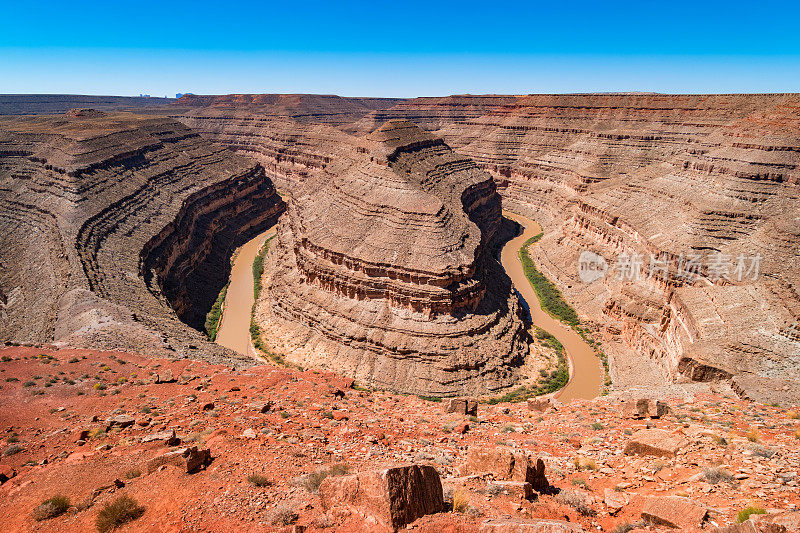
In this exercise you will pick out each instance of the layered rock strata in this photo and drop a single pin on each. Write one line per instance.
(383, 270)
(115, 230)
(668, 175)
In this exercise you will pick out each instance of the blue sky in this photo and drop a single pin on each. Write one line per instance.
(406, 48)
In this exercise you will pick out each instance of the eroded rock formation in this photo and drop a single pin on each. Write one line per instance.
(668, 175)
(383, 269)
(116, 229)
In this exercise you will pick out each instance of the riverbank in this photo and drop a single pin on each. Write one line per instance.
(585, 368)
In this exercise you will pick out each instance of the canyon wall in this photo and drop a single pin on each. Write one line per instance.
(382, 269)
(674, 176)
(117, 231)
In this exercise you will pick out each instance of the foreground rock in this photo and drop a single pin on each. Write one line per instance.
(389, 499)
(655, 442)
(517, 525)
(674, 511)
(506, 464)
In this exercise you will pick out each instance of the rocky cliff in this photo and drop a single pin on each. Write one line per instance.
(622, 174)
(383, 270)
(115, 230)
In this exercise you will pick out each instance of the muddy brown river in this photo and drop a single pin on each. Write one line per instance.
(234, 332)
(586, 371)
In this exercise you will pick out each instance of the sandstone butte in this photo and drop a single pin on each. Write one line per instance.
(382, 269)
(116, 231)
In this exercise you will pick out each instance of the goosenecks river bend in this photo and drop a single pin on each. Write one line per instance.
(586, 371)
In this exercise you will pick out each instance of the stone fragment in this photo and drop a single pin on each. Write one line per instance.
(614, 500)
(639, 408)
(189, 459)
(389, 499)
(673, 511)
(521, 525)
(122, 421)
(165, 376)
(461, 406)
(503, 463)
(543, 405)
(654, 442)
(261, 407)
(6, 473)
(168, 437)
(518, 489)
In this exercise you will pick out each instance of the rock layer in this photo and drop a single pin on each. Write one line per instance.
(383, 270)
(668, 175)
(116, 230)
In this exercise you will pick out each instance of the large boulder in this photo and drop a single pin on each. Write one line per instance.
(504, 463)
(673, 511)
(639, 408)
(461, 406)
(189, 459)
(655, 442)
(519, 525)
(387, 499)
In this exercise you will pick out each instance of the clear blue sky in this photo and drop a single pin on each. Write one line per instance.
(402, 48)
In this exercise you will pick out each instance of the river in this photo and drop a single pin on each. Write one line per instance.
(234, 332)
(586, 371)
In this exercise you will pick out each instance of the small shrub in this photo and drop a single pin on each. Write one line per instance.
(716, 475)
(258, 480)
(460, 501)
(628, 526)
(29, 384)
(114, 514)
(576, 501)
(752, 435)
(99, 386)
(327, 414)
(73, 360)
(6, 359)
(584, 463)
(796, 434)
(793, 415)
(284, 515)
(51, 508)
(578, 482)
(762, 451)
(13, 449)
(9, 380)
(597, 426)
(744, 514)
(132, 474)
(312, 481)
(284, 414)
(719, 440)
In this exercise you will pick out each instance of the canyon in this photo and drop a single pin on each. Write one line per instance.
(667, 176)
(116, 231)
(386, 387)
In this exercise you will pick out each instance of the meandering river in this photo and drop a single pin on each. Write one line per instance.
(586, 371)
(234, 332)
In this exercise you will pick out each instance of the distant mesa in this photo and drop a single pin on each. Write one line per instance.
(84, 113)
(382, 269)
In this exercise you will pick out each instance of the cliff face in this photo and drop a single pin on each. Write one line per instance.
(668, 175)
(382, 269)
(116, 227)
